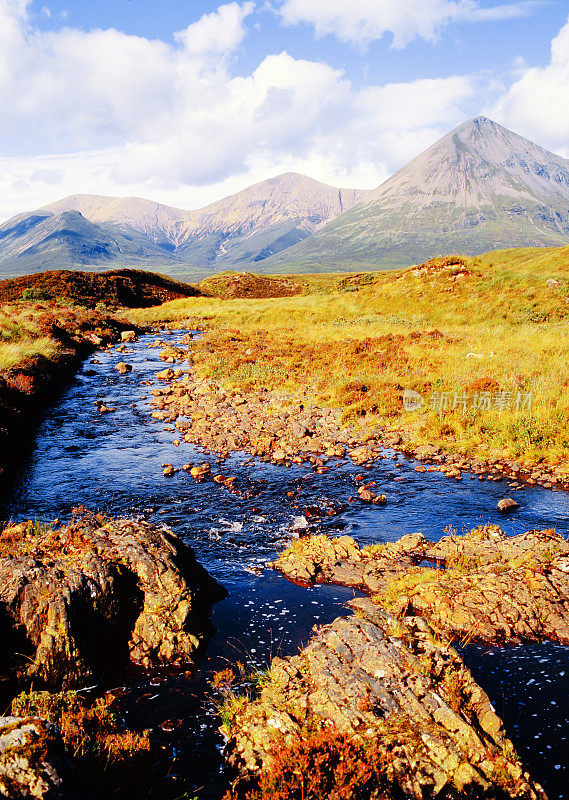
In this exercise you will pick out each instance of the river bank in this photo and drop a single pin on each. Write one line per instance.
(291, 428)
(463, 358)
(42, 347)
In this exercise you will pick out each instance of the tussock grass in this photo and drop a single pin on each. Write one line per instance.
(14, 353)
(358, 340)
(41, 330)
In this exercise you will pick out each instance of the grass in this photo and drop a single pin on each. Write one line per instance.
(358, 341)
(108, 757)
(41, 330)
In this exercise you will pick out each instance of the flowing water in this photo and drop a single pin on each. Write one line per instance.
(112, 463)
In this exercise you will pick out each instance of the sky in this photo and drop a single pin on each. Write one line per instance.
(188, 101)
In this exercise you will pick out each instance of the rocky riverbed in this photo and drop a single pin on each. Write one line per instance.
(289, 428)
(388, 676)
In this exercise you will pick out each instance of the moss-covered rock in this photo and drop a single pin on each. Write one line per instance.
(99, 593)
(484, 586)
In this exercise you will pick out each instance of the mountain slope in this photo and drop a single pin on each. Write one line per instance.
(239, 230)
(479, 188)
(28, 243)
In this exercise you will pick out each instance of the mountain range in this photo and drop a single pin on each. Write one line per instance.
(479, 188)
(236, 232)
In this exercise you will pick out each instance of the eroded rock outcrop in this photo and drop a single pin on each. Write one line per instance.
(427, 729)
(33, 763)
(96, 593)
(487, 587)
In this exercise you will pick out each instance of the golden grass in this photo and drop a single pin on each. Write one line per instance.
(13, 353)
(23, 334)
(357, 341)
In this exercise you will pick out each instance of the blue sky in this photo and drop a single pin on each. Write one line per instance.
(494, 44)
(185, 102)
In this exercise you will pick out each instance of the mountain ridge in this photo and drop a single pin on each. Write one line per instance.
(480, 187)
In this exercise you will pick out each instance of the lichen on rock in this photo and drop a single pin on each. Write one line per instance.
(425, 727)
(99, 592)
(484, 586)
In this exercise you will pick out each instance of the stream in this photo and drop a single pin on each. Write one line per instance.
(112, 463)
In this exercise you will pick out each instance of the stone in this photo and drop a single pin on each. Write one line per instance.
(507, 504)
(495, 588)
(128, 336)
(173, 354)
(33, 763)
(387, 685)
(165, 374)
(122, 368)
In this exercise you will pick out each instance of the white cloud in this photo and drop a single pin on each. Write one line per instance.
(537, 104)
(219, 32)
(363, 21)
(133, 116)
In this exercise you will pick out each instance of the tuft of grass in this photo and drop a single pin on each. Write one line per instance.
(110, 759)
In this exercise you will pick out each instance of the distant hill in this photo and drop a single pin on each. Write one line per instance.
(481, 187)
(126, 287)
(239, 231)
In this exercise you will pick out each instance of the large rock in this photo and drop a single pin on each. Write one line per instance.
(32, 761)
(98, 594)
(488, 586)
(425, 728)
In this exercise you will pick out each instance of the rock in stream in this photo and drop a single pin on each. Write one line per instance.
(426, 728)
(98, 594)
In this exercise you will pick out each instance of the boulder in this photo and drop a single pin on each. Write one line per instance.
(99, 592)
(386, 692)
(494, 588)
(173, 354)
(165, 374)
(128, 336)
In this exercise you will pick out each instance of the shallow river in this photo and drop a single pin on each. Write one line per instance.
(112, 463)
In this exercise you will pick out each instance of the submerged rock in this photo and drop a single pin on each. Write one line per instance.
(92, 596)
(32, 761)
(423, 727)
